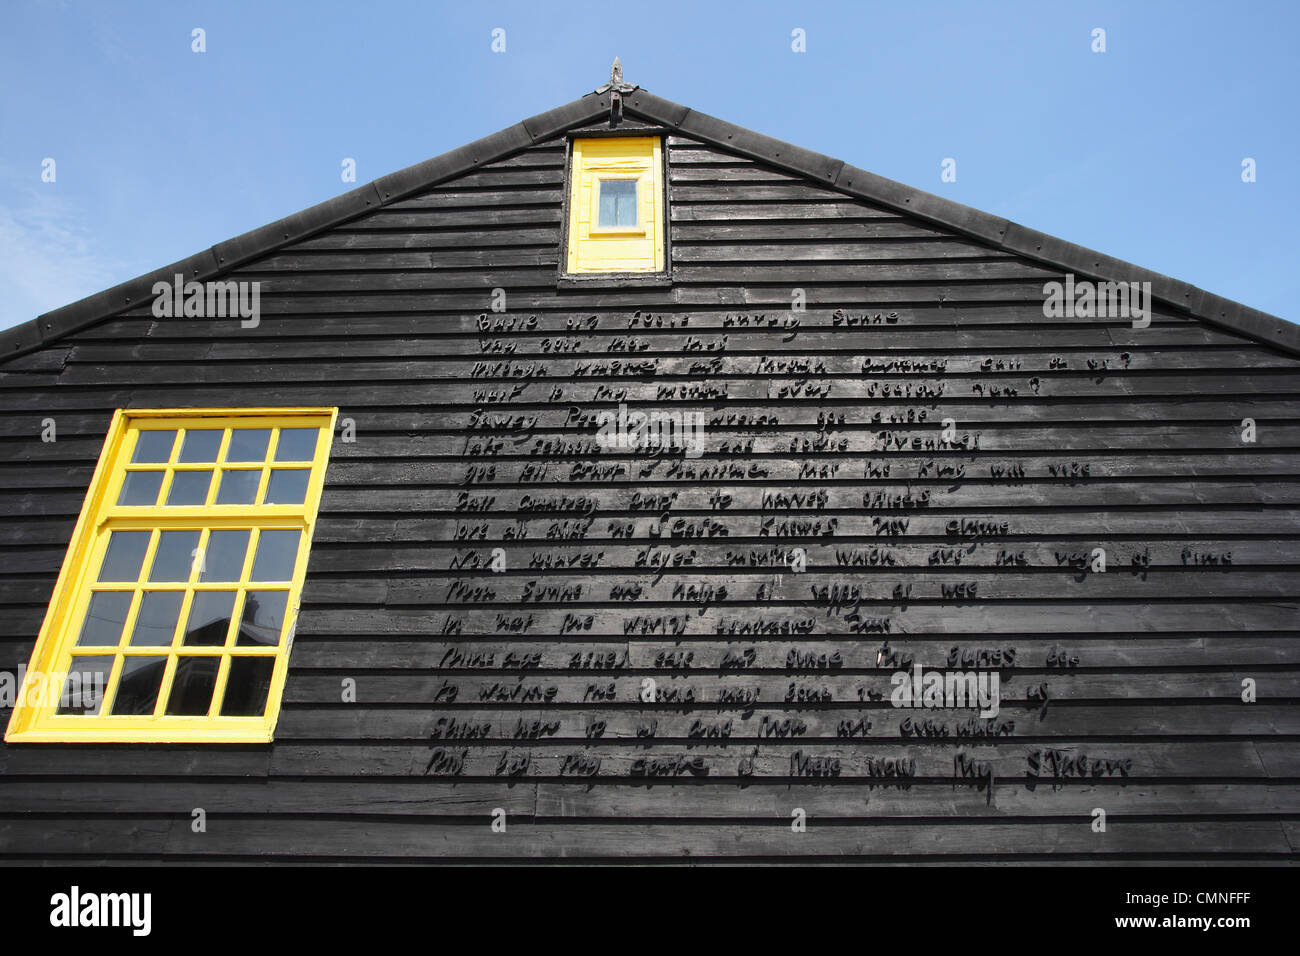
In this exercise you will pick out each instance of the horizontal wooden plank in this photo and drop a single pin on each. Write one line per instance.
(414, 378)
(789, 252)
(694, 842)
(881, 225)
(182, 761)
(814, 473)
(832, 207)
(726, 172)
(387, 617)
(783, 530)
(779, 324)
(443, 797)
(636, 588)
(732, 192)
(97, 837)
(494, 274)
(971, 357)
(542, 252)
(388, 218)
(1128, 801)
(573, 725)
(380, 839)
(886, 763)
(370, 545)
(813, 654)
(881, 297)
(789, 693)
(416, 798)
(546, 234)
(395, 544)
(469, 196)
(535, 256)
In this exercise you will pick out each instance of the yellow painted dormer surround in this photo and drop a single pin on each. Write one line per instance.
(616, 206)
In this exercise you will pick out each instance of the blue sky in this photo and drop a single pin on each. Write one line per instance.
(160, 151)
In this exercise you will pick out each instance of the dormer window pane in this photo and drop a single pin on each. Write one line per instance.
(617, 203)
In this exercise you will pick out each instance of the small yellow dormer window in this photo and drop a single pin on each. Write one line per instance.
(616, 202)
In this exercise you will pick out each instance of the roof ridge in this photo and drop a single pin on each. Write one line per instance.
(1000, 233)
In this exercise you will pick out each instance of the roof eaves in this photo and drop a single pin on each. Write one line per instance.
(256, 242)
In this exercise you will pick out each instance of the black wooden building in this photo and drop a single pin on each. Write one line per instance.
(516, 643)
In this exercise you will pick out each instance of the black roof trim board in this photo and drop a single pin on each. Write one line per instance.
(997, 232)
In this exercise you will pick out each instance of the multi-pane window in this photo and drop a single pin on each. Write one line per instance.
(173, 616)
(616, 206)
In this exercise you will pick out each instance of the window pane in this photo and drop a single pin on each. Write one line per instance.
(296, 444)
(263, 618)
(175, 556)
(140, 488)
(137, 688)
(153, 445)
(156, 622)
(247, 685)
(104, 619)
(288, 486)
(124, 556)
(201, 444)
(617, 202)
(224, 560)
(191, 693)
(277, 551)
(189, 488)
(248, 444)
(238, 487)
(209, 618)
(83, 689)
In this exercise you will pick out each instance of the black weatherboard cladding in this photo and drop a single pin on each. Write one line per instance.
(521, 691)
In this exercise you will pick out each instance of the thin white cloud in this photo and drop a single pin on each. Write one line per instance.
(47, 257)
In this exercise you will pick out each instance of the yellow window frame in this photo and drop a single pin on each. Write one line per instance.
(35, 718)
(618, 249)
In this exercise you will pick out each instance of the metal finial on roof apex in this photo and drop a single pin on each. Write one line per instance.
(616, 87)
(616, 82)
